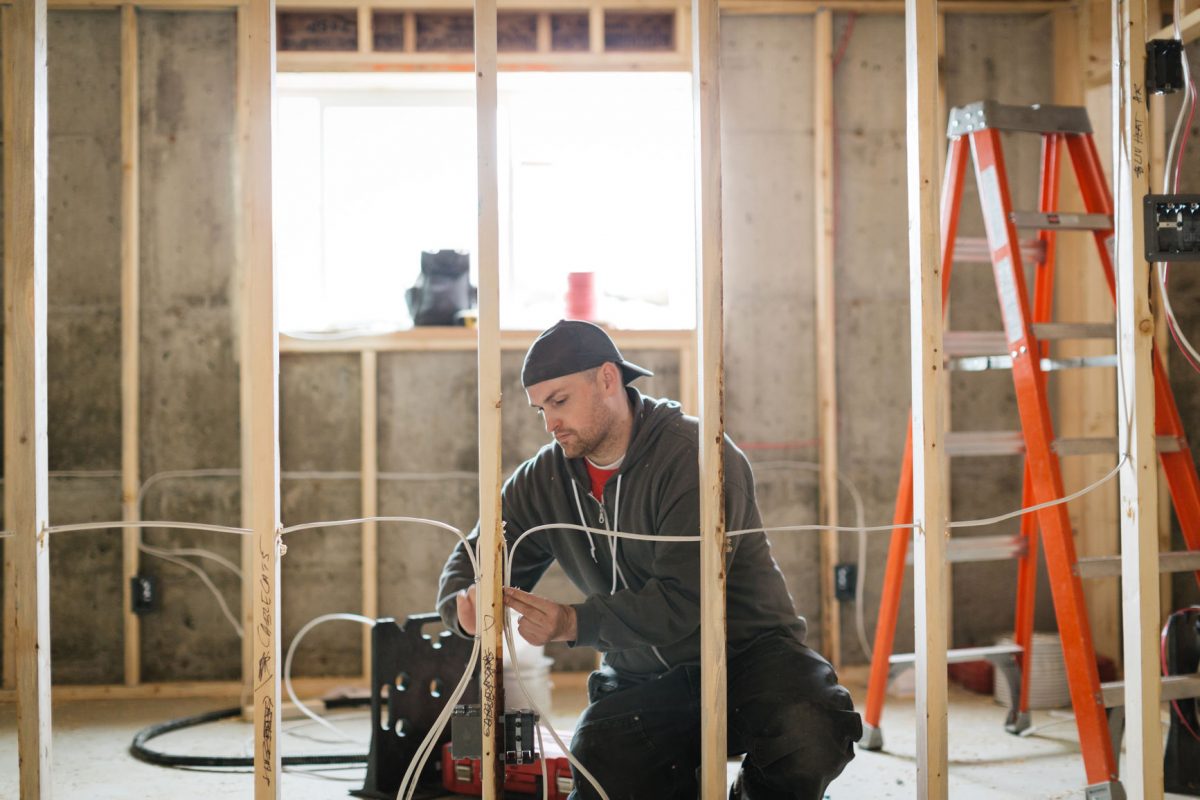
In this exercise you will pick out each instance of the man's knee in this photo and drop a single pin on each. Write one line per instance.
(811, 746)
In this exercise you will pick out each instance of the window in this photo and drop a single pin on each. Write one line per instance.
(595, 176)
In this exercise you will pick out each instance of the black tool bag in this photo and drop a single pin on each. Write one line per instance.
(443, 288)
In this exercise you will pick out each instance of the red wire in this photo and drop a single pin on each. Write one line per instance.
(1162, 655)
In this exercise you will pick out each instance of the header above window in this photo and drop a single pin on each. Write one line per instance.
(564, 37)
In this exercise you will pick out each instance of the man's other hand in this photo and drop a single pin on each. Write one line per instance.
(466, 609)
(541, 620)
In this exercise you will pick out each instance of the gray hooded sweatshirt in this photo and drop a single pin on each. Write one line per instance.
(643, 597)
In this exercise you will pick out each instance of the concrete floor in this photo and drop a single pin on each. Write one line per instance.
(91, 752)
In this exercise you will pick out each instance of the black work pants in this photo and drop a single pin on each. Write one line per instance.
(787, 713)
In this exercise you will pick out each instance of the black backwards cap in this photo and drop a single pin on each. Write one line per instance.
(571, 346)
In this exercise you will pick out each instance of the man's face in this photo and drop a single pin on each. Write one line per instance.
(574, 410)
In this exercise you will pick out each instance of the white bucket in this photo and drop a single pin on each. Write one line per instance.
(1048, 686)
(534, 666)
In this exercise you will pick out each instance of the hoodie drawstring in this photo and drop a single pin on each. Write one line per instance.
(612, 547)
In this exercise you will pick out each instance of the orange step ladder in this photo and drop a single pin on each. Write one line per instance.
(1023, 348)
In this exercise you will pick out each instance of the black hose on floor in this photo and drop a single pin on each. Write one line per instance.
(139, 750)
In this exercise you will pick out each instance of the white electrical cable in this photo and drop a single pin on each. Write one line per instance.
(203, 576)
(187, 526)
(408, 786)
(512, 651)
(1171, 185)
(287, 667)
(159, 552)
(860, 622)
(308, 526)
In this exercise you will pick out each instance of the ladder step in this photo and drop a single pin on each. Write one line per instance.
(975, 250)
(995, 343)
(1059, 221)
(1174, 687)
(984, 363)
(1110, 566)
(982, 548)
(964, 654)
(1039, 118)
(1012, 443)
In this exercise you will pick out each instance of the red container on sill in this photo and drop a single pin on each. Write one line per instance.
(581, 295)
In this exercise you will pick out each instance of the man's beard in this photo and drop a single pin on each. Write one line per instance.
(585, 442)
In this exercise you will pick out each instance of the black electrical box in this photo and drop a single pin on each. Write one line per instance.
(520, 730)
(1164, 66)
(1172, 227)
(143, 594)
(845, 581)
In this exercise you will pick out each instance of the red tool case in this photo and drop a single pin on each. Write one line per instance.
(462, 775)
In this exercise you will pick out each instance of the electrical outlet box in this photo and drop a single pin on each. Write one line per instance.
(845, 581)
(1172, 226)
(144, 594)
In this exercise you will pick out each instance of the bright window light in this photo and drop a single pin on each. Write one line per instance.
(595, 176)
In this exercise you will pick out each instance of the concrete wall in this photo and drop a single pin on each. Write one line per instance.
(426, 401)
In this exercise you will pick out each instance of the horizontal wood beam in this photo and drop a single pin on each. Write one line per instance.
(454, 339)
(741, 7)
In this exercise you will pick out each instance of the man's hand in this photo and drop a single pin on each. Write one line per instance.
(541, 620)
(466, 609)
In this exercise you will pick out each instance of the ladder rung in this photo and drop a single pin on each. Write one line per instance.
(995, 343)
(982, 548)
(985, 363)
(1060, 221)
(1110, 566)
(975, 250)
(1012, 443)
(1031, 119)
(1058, 331)
(964, 654)
(1174, 687)
(1107, 445)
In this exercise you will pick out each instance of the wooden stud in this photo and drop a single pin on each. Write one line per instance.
(25, 136)
(130, 342)
(545, 37)
(366, 24)
(710, 316)
(257, 51)
(596, 29)
(826, 333)
(242, 248)
(1135, 410)
(1162, 339)
(370, 499)
(490, 599)
(410, 32)
(1088, 392)
(929, 506)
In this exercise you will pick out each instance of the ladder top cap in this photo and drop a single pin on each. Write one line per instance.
(1030, 119)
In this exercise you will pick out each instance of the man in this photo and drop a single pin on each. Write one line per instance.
(626, 462)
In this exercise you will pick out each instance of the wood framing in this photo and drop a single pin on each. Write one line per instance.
(826, 333)
(929, 505)
(26, 508)
(490, 599)
(1087, 391)
(130, 345)
(710, 339)
(1135, 410)
(370, 499)
(242, 254)
(257, 50)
